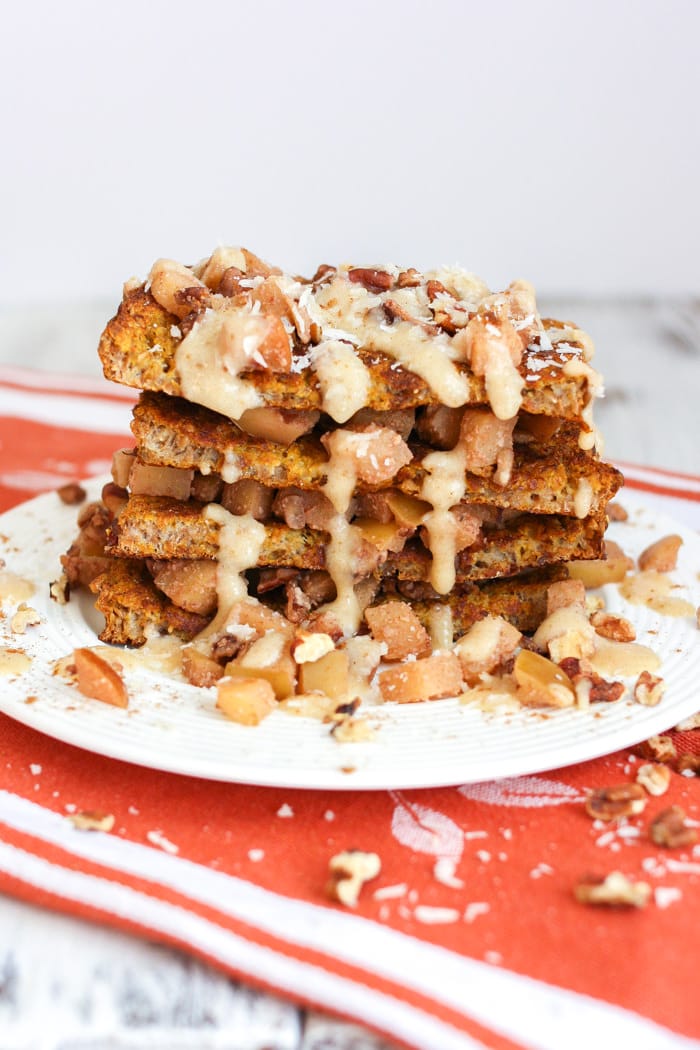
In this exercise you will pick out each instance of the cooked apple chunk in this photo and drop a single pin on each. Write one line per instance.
(191, 585)
(98, 679)
(430, 678)
(245, 700)
(174, 482)
(396, 624)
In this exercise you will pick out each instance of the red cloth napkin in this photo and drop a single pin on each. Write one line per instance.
(469, 937)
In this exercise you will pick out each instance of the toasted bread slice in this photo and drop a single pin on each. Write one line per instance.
(138, 349)
(157, 527)
(134, 608)
(545, 478)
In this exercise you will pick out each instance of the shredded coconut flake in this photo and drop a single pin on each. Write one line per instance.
(435, 916)
(665, 895)
(387, 893)
(474, 909)
(157, 838)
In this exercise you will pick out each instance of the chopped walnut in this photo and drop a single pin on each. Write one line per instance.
(658, 748)
(613, 803)
(373, 280)
(168, 281)
(670, 830)
(89, 820)
(349, 871)
(352, 731)
(688, 763)
(648, 689)
(71, 494)
(654, 778)
(309, 646)
(24, 617)
(693, 722)
(616, 628)
(661, 556)
(613, 889)
(590, 687)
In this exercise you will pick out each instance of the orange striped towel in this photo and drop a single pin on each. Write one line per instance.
(470, 937)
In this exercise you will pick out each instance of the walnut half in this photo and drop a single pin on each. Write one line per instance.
(614, 889)
(613, 803)
(348, 873)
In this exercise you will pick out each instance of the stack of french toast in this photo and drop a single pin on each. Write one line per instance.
(371, 453)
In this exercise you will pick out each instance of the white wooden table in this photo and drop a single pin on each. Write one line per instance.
(68, 985)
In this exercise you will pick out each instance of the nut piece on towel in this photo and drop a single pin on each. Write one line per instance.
(348, 873)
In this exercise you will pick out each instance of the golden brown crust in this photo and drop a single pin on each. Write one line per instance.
(157, 527)
(138, 347)
(133, 607)
(172, 432)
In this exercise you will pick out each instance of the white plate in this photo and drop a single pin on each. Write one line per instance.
(175, 727)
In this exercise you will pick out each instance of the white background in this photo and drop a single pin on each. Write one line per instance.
(550, 140)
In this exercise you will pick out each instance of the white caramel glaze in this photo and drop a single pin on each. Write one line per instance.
(428, 324)
(443, 487)
(583, 498)
(343, 378)
(14, 588)
(206, 375)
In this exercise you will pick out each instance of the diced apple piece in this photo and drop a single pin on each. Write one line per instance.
(260, 617)
(248, 497)
(376, 454)
(396, 624)
(597, 572)
(280, 425)
(485, 437)
(146, 480)
(541, 683)
(385, 537)
(408, 510)
(485, 645)
(269, 657)
(200, 669)
(329, 675)
(245, 700)
(255, 342)
(439, 425)
(114, 498)
(431, 678)
(564, 593)
(206, 488)
(122, 462)
(213, 269)
(542, 428)
(98, 679)
(191, 585)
